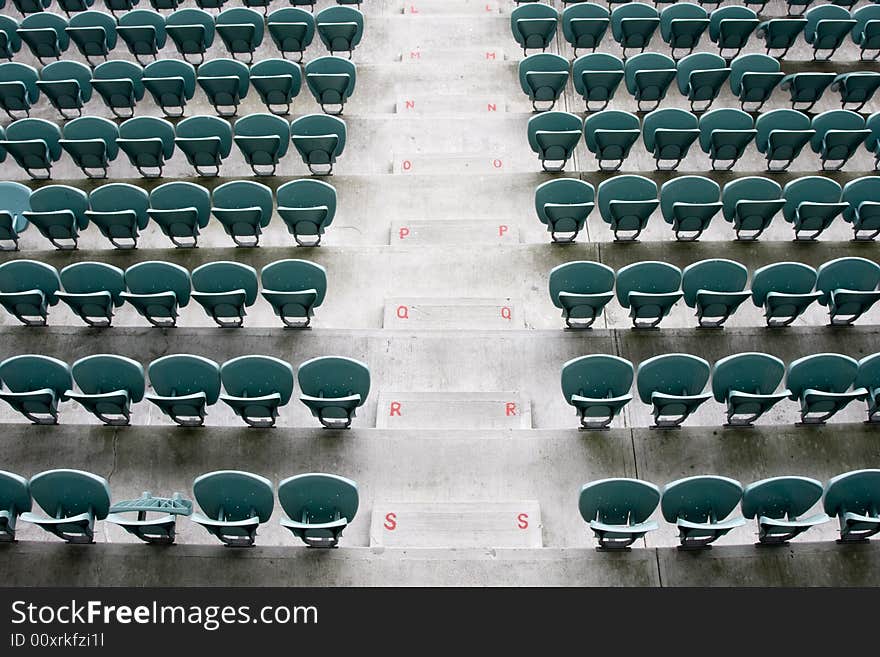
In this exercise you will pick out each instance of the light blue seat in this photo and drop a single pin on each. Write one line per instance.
(837, 136)
(848, 287)
(27, 289)
(67, 85)
(700, 506)
(784, 290)
(263, 140)
(292, 30)
(58, 212)
(206, 141)
(34, 144)
(725, 133)
(856, 89)
(72, 500)
(148, 141)
(234, 504)
(674, 385)
(181, 209)
(596, 77)
(581, 289)
(866, 31)
(307, 207)
(146, 525)
(44, 35)
(753, 77)
(120, 85)
(333, 387)
(688, 204)
(10, 41)
(554, 136)
(119, 210)
(340, 28)
(633, 24)
(700, 77)
(626, 203)
(682, 24)
(184, 386)
(779, 503)
(598, 386)
(543, 78)
(781, 136)
(862, 198)
(93, 33)
(649, 289)
(171, 83)
(811, 205)
(750, 204)
(241, 30)
(806, 88)
(648, 76)
(15, 499)
(730, 28)
(584, 25)
(143, 32)
(18, 89)
(563, 206)
(91, 143)
(108, 385)
(331, 81)
(668, 133)
(534, 26)
(294, 288)
(157, 290)
(33, 385)
(15, 200)
(318, 506)
(610, 135)
(618, 510)
(715, 288)
(868, 378)
(780, 34)
(319, 139)
(278, 82)
(826, 27)
(256, 387)
(854, 499)
(225, 289)
(824, 385)
(92, 290)
(747, 383)
(192, 31)
(225, 82)
(244, 209)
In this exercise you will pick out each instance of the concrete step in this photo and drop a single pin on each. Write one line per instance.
(434, 313)
(453, 410)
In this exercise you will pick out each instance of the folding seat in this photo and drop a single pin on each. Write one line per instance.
(341, 28)
(120, 85)
(673, 384)
(826, 28)
(750, 204)
(866, 31)
(596, 78)
(780, 34)
(668, 133)
(784, 290)
(584, 25)
(626, 203)
(581, 289)
(848, 287)
(183, 387)
(649, 289)
(72, 6)
(811, 205)
(688, 204)
(27, 289)
(244, 208)
(10, 41)
(618, 510)
(33, 385)
(278, 82)
(803, 4)
(15, 199)
(854, 499)
(715, 288)
(34, 144)
(224, 289)
(319, 139)
(333, 387)
(781, 135)
(123, 6)
(294, 288)
(699, 505)
(858, 87)
(318, 506)
(837, 136)
(157, 289)
(31, 6)
(205, 140)
(806, 88)
(154, 530)
(93, 33)
(119, 210)
(648, 76)
(753, 77)
(15, 499)
(108, 385)
(872, 143)
(700, 78)
(862, 198)
(598, 386)
(534, 26)
(303, 3)
(730, 28)
(180, 209)
(192, 31)
(747, 383)
(148, 141)
(91, 143)
(331, 81)
(554, 136)
(724, 135)
(307, 207)
(172, 83)
(256, 387)
(241, 30)
(72, 500)
(18, 89)
(869, 379)
(45, 35)
(292, 30)
(92, 290)
(165, 4)
(823, 384)
(263, 140)
(59, 213)
(682, 24)
(143, 32)
(67, 85)
(563, 205)
(610, 135)
(543, 78)
(633, 24)
(225, 83)
(233, 505)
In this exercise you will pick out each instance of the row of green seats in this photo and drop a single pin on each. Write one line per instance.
(793, 7)
(121, 6)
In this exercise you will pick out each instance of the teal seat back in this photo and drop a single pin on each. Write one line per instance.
(212, 128)
(696, 63)
(723, 119)
(31, 372)
(584, 24)
(682, 12)
(668, 118)
(90, 277)
(104, 373)
(597, 376)
(291, 29)
(863, 16)
(192, 30)
(806, 86)
(91, 128)
(857, 87)
(730, 26)
(294, 276)
(751, 372)
(607, 121)
(44, 34)
(27, 275)
(15, 199)
(331, 79)
(623, 188)
(179, 375)
(317, 125)
(264, 125)
(280, 80)
(533, 25)
(241, 27)
(242, 194)
(562, 191)
(580, 277)
(333, 377)
(119, 70)
(224, 68)
(143, 31)
(121, 197)
(643, 19)
(873, 124)
(858, 191)
(66, 83)
(783, 277)
(618, 501)
(15, 494)
(67, 493)
(827, 25)
(637, 71)
(18, 85)
(306, 193)
(715, 275)
(687, 189)
(551, 122)
(853, 492)
(750, 63)
(750, 188)
(847, 273)
(543, 75)
(649, 276)
(340, 28)
(780, 497)
(671, 374)
(166, 69)
(147, 128)
(10, 41)
(93, 31)
(318, 498)
(257, 376)
(596, 75)
(700, 499)
(780, 32)
(236, 495)
(37, 130)
(178, 195)
(825, 372)
(155, 276)
(55, 198)
(808, 189)
(225, 276)
(835, 120)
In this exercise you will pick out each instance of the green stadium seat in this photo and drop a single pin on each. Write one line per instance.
(67, 85)
(668, 133)
(610, 135)
(157, 289)
(648, 76)
(33, 385)
(869, 379)
(27, 289)
(15, 499)
(824, 385)
(183, 387)
(93, 33)
(319, 139)
(34, 144)
(633, 24)
(165, 4)
(331, 81)
(332, 388)
(598, 386)
(715, 288)
(750, 204)
(724, 135)
(180, 209)
(91, 143)
(44, 34)
(143, 32)
(784, 290)
(619, 510)
(243, 208)
(673, 384)
(866, 31)
(781, 136)
(596, 77)
(801, 4)
(700, 77)
(543, 77)
(72, 500)
(534, 26)
(233, 505)
(856, 89)
(848, 287)
(171, 83)
(15, 200)
(107, 385)
(554, 136)
(584, 25)
(853, 498)
(278, 82)
(120, 86)
(681, 26)
(263, 140)
(340, 28)
(688, 204)
(700, 506)
(241, 30)
(826, 27)
(192, 31)
(563, 206)
(806, 88)
(18, 89)
(31, 6)
(872, 143)
(730, 28)
(811, 205)
(148, 141)
(154, 530)
(626, 203)
(862, 197)
(92, 290)
(747, 383)
(292, 30)
(307, 208)
(225, 289)
(120, 6)
(119, 210)
(581, 289)
(58, 212)
(225, 82)
(318, 506)
(753, 77)
(256, 387)
(206, 141)
(780, 34)
(837, 136)
(649, 289)
(10, 41)
(294, 288)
